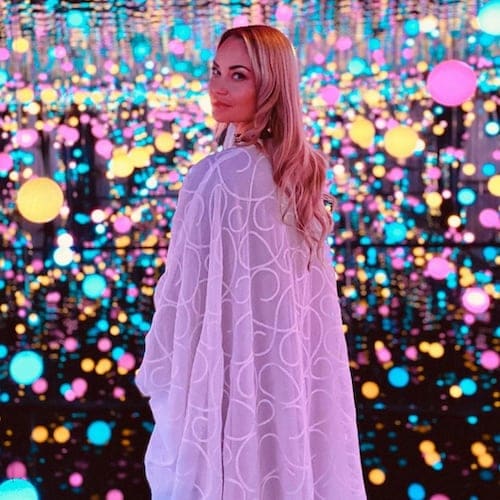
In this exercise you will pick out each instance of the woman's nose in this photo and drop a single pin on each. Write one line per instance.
(218, 87)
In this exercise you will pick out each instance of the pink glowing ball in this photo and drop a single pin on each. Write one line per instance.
(476, 300)
(490, 360)
(451, 82)
(330, 94)
(16, 470)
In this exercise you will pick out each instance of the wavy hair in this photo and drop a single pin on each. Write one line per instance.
(299, 171)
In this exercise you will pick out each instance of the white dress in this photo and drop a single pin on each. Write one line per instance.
(246, 363)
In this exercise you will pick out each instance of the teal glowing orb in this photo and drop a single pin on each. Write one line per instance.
(26, 367)
(99, 433)
(93, 286)
(18, 489)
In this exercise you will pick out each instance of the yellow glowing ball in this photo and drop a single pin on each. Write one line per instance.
(489, 106)
(121, 165)
(25, 95)
(432, 458)
(370, 390)
(140, 156)
(91, 69)
(434, 200)
(485, 461)
(40, 200)
(21, 45)
(87, 364)
(39, 434)
(177, 81)
(165, 142)
(376, 476)
(455, 391)
(61, 434)
(469, 168)
(48, 96)
(426, 446)
(362, 132)
(103, 366)
(494, 185)
(372, 97)
(379, 171)
(436, 350)
(400, 141)
(477, 448)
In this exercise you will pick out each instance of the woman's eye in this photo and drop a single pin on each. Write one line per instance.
(238, 76)
(215, 71)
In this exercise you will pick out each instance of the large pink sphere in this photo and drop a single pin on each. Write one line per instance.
(451, 82)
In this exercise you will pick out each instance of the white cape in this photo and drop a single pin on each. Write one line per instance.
(246, 363)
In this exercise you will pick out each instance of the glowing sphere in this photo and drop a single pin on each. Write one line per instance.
(416, 491)
(398, 376)
(18, 489)
(121, 164)
(48, 95)
(26, 367)
(6, 162)
(26, 137)
(40, 200)
(362, 132)
(490, 360)
(476, 300)
(20, 45)
(439, 268)
(488, 17)
(93, 286)
(99, 432)
(400, 141)
(376, 476)
(330, 94)
(494, 185)
(463, 78)
(370, 390)
(165, 142)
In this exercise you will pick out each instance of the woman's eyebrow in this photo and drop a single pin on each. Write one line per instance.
(235, 66)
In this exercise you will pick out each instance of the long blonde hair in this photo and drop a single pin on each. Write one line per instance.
(299, 171)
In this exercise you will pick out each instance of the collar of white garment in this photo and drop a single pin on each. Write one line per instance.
(229, 139)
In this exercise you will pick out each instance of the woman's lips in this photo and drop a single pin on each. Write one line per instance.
(220, 105)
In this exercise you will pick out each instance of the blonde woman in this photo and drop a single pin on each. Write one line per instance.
(246, 364)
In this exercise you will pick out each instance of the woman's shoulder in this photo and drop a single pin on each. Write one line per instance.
(238, 170)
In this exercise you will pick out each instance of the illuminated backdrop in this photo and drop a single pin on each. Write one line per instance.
(103, 109)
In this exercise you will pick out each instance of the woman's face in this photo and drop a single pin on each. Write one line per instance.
(232, 85)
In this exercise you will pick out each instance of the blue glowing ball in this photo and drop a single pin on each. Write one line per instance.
(467, 196)
(18, 489)
(99, 433)
(468, 386)
(416, 492)
(26, 367)
(395, 232)
(412, 27)
(398, 377)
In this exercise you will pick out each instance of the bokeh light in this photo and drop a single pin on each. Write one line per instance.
(40, 200)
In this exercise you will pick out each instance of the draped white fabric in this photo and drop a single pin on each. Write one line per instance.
(246, 364)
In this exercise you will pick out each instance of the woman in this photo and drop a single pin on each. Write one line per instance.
(246, 364)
